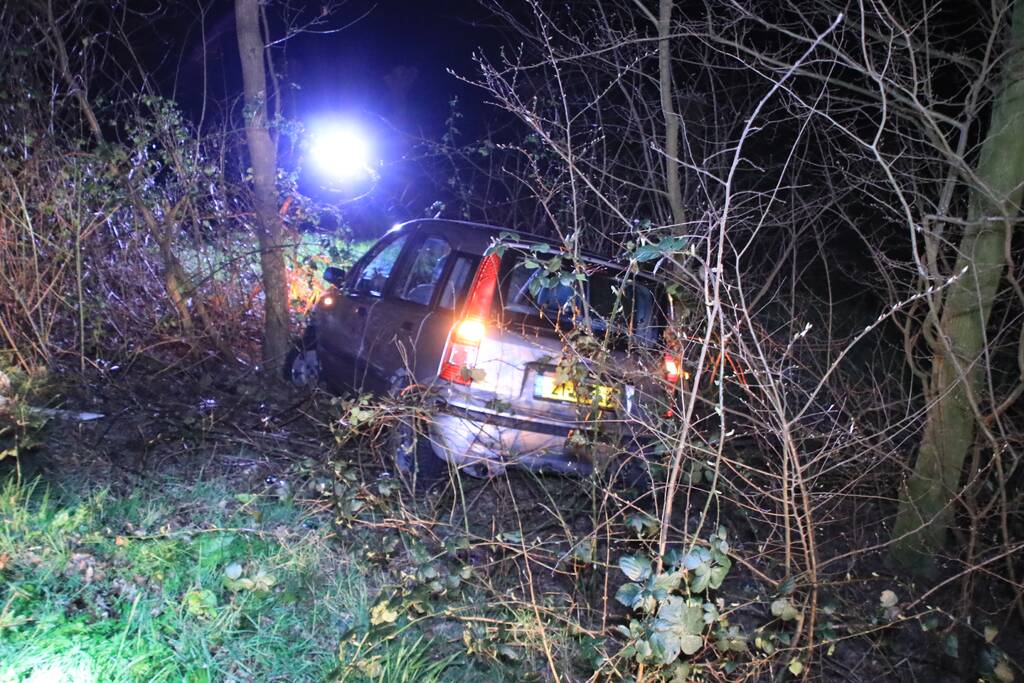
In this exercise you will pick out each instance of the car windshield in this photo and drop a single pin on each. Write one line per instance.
(615, 302)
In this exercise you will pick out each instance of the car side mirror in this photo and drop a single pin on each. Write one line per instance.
(335, 276)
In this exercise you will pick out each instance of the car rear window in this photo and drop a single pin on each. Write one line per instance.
(613, 301)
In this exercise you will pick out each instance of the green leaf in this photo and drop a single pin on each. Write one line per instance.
(585, 550)
(630, 594)
(701, 579)
(642, 523)
(636, 567)
(651, 251)
(243, 584)
(731, 640)
(680, 672)
(784, 609)
(264, 582)
(710, 613)
(678, 628)
(796, 667)
(513, 537)
(952, 646)
(668, 582)
(217, 548)
(201, 603)
(510, 653)
(664, 648)
(690, 644)
(717, 575)
(682, 615)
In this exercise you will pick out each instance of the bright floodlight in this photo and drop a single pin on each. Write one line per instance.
(340, 152)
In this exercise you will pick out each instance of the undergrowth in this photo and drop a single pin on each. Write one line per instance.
(181, 581)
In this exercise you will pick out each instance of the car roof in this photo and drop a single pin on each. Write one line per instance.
(476, 238)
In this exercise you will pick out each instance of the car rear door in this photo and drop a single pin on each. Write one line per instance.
(408, 326)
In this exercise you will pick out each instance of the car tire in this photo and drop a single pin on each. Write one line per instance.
(414, 457)
(302, 364)
(632, 470)
(410, 448)
(632, 474)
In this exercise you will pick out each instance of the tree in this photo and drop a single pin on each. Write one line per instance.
(958, 364)
(860, 260)
(263, 156)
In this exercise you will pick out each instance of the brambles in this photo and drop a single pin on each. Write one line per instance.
(675, 620)
(808, 182)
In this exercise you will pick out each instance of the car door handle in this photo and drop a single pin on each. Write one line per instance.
(361, 311)
(407, 326)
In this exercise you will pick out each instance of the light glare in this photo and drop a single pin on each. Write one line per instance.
(341, 153)
(470, 331)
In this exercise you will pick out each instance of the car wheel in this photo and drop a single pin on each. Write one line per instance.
(413, 455)
(410, 447)
(632, 470)
(302, 368)
(632, 473)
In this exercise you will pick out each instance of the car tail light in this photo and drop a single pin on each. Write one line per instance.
(460, 351)
(672, 373)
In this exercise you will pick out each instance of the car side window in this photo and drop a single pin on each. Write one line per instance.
(374, 275)
(425, 271)
(458, 282)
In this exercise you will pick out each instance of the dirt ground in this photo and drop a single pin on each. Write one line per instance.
(519, 537)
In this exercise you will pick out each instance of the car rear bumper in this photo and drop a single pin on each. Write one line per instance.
(485, 442)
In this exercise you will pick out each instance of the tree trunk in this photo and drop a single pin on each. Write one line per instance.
(263, 156)
(672, 179)
(958, 363)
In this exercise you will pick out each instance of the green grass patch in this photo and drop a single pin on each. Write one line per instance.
(183, 582)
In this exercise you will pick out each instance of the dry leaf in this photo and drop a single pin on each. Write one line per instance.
(1003, 672)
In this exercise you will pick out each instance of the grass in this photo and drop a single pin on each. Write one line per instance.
(185, 582)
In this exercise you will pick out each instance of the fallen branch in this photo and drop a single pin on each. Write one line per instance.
(6, 405)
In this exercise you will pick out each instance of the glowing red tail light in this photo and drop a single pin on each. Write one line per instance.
(672, 370)
(460, 351)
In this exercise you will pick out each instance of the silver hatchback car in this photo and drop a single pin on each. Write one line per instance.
(480, 316)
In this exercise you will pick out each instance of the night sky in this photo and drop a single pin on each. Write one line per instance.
(349, 70)
(351, 67)
(338, 72)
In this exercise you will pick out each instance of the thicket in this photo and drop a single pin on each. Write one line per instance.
(818, 187)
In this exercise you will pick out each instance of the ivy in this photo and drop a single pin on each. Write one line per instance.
(672, 621)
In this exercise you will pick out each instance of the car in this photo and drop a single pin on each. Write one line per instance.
(478, 317)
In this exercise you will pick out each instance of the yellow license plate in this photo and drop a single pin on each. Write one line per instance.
(546, 386)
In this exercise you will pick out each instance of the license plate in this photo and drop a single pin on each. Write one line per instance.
(546, 386)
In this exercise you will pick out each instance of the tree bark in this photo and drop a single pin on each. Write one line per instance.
(263, 157)
(958, 363)
(672, 179)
